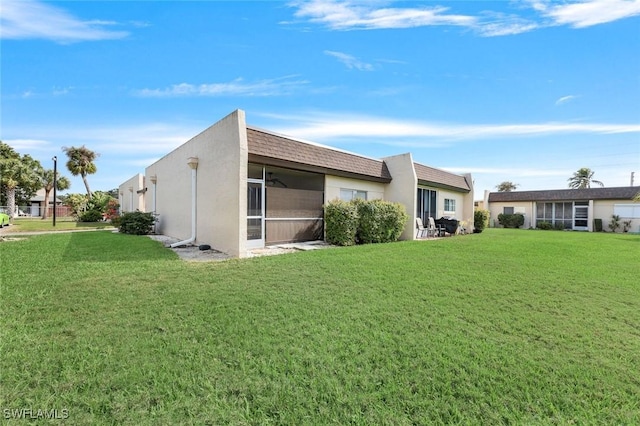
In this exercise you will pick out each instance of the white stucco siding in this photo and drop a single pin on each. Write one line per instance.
(403, 189)
(221, 187)
(333, 185)
(527, 208)
(131, 194)
(604, 209)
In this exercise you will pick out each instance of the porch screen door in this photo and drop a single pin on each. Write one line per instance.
(255, 213)
(580, 217)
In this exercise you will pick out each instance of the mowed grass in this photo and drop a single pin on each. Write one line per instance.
(20, 225)
(503, 327)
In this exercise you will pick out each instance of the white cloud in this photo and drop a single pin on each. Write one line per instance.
(27, 19)
(24, 146)
(237, 87)
(588, 13)
(323, 127)
(344, 15)
(565, 99)
(350, 61)
(352, 15)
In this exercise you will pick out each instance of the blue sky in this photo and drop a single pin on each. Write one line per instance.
(524, 91)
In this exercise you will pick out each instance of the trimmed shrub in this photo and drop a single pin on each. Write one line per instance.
(90, 216)
(559, 226)
(379, 221)
(341, 222)
(363, 222)
(511, 220)
(544, 225)
(480, 220)
(136, 223)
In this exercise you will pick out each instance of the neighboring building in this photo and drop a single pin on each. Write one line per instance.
(576, 209)
(236, 188)
(36, 207)
(131, 194)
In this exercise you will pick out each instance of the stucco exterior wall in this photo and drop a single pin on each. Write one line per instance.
(333, 184)
(525, 207)
(128, 196)
(221, 187)
(403, 189)
(604, 209)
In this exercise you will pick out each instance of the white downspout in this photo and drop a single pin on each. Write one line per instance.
(193, 164)
(154, 181)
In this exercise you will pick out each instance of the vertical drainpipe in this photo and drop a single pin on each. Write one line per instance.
(154, 180)
(193, 164)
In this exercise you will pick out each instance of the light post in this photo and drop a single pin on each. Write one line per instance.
(55, 188)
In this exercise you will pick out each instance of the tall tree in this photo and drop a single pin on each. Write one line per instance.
(81, 162)
(583, 178)
(507, 186)
(17, 173)
(47, 180)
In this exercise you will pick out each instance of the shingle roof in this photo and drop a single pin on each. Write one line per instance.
(437, 177)
(280, 150)
(616, 193)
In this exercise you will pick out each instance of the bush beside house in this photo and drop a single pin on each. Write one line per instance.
(363, 222)
(480, 220)
(511, 220)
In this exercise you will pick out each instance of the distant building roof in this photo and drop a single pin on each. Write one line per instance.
(615, 193)
(429, 175)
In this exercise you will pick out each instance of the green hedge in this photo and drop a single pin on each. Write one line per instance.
(480, 220)
(341, 223)
(363, 222)
(511, 220)
(136, 223)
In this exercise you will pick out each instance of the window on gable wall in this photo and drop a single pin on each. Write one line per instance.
(350, 194)
(449, 205)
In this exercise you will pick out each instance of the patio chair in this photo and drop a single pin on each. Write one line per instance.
(435, 230)
(422, 231)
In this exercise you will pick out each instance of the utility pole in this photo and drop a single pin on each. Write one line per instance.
(55, 187)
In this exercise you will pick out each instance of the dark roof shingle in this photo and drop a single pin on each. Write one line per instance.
(280, 150)
(430, 175)
(615, 193)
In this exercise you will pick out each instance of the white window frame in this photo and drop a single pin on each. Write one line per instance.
(348, 194)
(448, 203)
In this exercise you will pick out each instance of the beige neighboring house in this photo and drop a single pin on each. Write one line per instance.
(131, 194)
(36, 207)
(236, 188)
(576, 209)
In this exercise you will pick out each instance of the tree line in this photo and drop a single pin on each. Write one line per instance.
(21, 176)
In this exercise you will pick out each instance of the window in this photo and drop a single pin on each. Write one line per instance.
(449, 205)
(508, 210)
(627, 211)
(350, 194)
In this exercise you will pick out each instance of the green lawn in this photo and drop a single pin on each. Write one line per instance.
(20, 225)
(503, 327)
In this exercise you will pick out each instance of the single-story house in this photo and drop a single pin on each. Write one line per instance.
(36, 207)
(236, 187)
(575, 209)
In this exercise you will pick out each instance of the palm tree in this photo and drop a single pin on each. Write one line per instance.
(507, 186)
(583, 178)
(47, 179)
(81, 163)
